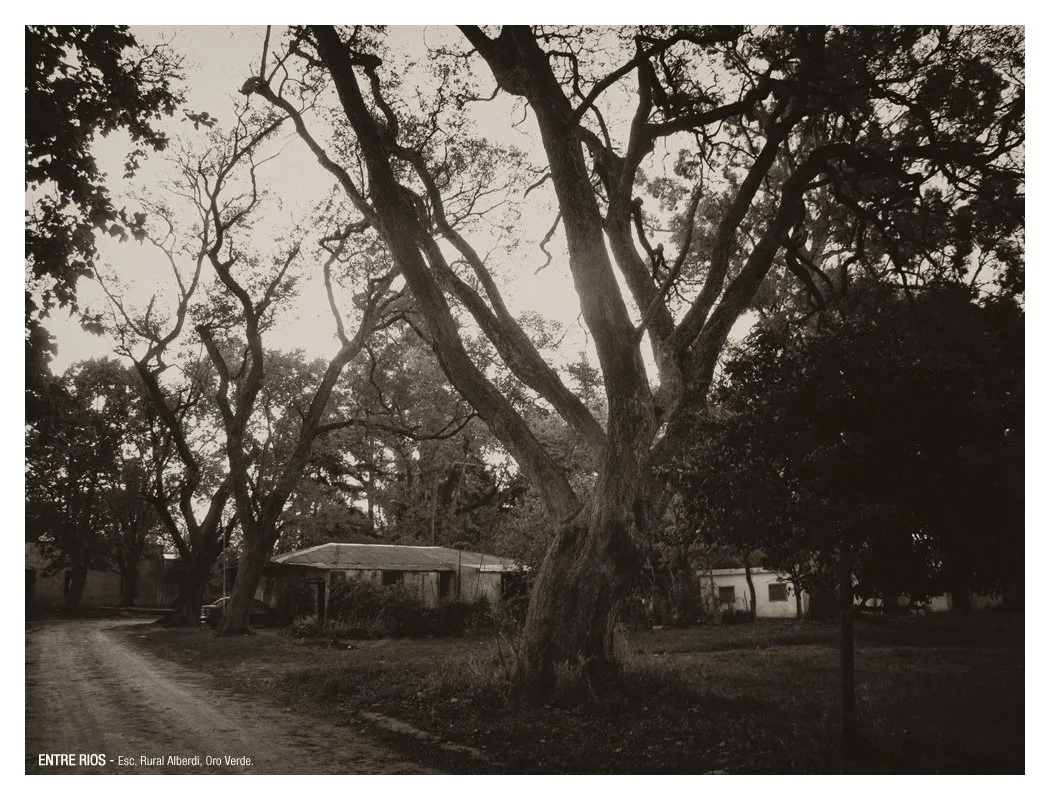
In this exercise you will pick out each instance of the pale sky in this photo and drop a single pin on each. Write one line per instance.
(217, 61)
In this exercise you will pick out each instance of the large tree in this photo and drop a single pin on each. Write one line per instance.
(912, 134)
(262, 410)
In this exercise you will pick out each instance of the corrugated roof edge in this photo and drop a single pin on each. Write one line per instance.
(497, 564)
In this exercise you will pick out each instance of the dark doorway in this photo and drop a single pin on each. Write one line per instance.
(446, 583)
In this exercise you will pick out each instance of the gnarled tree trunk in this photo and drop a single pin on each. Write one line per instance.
(574, 605)
(255, 555)
(578, 592)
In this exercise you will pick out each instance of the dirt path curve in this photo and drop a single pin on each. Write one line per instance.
(88, 692)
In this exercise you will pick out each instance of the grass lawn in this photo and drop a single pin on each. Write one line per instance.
(934, 695)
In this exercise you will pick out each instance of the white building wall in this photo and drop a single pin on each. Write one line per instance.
(736, 579)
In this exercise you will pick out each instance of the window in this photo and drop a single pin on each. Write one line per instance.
(778, 592)
(727, 595)
(393, 577)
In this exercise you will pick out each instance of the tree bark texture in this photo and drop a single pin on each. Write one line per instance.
(587, 570)
(255, 555)
(750, 588)
(574, 606)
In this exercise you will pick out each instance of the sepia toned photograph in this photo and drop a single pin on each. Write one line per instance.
(525, 399)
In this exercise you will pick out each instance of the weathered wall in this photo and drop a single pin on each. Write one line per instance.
(427, 586)
(424, 585)
(102, 587)
(762, 579)
(477, 585)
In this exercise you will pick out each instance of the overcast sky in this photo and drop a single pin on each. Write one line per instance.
(218, 59)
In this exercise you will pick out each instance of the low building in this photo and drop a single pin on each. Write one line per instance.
(727, 590)
(48, 587)
(432, 573)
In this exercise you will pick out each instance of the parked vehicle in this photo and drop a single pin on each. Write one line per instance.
(261, 616)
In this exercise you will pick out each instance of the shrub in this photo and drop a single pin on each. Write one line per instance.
(297, 600)
(328, 632)
(357, 600)
(402, 614)
(736, 616)
(304, 628)
(368, 610)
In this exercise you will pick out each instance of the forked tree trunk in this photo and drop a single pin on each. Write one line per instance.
(574, 606)
(187, 608)
(255, 555)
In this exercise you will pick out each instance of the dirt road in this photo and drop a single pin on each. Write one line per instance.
(90, 694)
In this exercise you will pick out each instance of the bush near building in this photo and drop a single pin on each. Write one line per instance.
(364, 610)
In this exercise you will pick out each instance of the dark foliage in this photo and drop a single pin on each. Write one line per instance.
(365, 610)
(895, 421)
(83, 81)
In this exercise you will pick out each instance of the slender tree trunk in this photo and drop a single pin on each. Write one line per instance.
(77, 580)
(960, 598)
(685, 592)
(846, 652)
(890, 598)
(753, 611)
(129, 583)
(798, 597)
(255, 555)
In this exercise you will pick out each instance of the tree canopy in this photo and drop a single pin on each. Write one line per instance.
(899, 423)
(82, 82)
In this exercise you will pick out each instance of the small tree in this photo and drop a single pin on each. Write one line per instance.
(851, 448)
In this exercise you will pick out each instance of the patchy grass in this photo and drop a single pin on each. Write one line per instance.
(934, 694)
